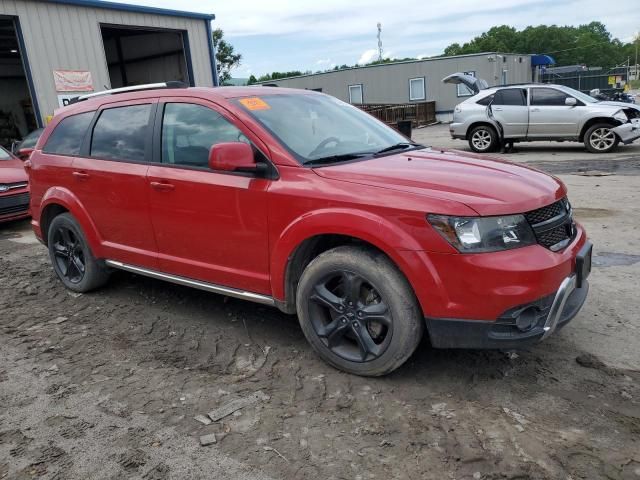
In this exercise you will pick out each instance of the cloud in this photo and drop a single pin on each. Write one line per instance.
(368, 56)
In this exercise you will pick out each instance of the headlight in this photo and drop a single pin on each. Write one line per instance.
(484, 234)
(620, 116)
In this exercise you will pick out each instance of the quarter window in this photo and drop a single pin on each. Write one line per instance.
(67, 137)
(547, 96)
(355, 94)
(121, 133)
(416, 89)
(189, 131)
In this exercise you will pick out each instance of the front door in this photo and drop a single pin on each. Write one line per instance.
(209, 225)
(509, 109)
(110, 181)
(550, 117)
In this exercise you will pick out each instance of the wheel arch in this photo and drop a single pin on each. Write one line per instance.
(480, 123)
(59, 200)
(592, 121)
(313, 234)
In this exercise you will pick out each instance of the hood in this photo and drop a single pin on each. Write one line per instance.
(488, 186)
(12, 171)
(619, 104)
(473, 83)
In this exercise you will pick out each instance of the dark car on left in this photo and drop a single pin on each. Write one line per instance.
(14, 188)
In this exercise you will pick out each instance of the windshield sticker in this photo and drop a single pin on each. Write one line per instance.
(255, 103)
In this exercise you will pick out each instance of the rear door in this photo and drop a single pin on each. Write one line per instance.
(110, 180)
(509, 109)
(210, 225)
(549, 116)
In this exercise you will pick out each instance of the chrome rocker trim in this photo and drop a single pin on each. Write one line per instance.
(567, 287)
(209, 287)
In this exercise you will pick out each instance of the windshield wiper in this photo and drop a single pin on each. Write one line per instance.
(399, 146)
(336, 158)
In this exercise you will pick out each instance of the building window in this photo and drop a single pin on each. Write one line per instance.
(462, 89)
(504, 77)
(416, 89)
(355, 94)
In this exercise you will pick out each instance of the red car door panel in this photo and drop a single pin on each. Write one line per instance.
(211, 226)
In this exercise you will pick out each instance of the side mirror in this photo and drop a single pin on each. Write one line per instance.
(232, 157)
(14, 146)
(24, 153)
(570, 101)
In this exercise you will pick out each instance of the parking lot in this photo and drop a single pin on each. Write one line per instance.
(107, 384)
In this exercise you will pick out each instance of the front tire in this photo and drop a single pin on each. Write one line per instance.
(600, 138)
(483, 139)
(71, 257)
(358, 311)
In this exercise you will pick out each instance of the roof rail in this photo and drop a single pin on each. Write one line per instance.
(135, 88)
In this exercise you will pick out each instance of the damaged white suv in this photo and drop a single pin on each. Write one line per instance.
(530, 112)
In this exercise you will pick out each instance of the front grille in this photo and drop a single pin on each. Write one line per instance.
(14, 204)
(553, 224)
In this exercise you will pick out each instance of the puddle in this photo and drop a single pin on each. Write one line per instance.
(612, 259)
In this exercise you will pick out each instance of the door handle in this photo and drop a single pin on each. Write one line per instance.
(497, 109)
(81, 175)
(535, 109)
(162, 186)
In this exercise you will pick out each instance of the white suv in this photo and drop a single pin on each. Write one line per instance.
(531, 112)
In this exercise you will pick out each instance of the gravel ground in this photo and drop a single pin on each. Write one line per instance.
(106, 385)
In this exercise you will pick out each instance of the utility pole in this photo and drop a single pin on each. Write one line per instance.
(379, 42)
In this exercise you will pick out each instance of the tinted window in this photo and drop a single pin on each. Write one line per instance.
(510, 96)
(189, 131)
(486, 100)
(547, 96)
(4, 155)
(30, 140)
(121, 133)
(67, 137)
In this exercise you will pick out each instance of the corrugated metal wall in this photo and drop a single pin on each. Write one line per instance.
(389, 83)
(65, 37)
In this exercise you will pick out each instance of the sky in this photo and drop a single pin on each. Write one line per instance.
(284, 35)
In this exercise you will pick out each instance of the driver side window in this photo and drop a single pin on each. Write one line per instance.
(189, 131)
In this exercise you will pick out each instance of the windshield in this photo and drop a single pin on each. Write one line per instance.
(316, 126)
(30, 140)
(4, 155)
(579, 95)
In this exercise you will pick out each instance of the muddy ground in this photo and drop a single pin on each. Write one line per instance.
(105, 385)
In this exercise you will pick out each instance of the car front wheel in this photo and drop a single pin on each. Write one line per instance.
(483, 139)
(601, 138)
(71, 256)
(358, 311)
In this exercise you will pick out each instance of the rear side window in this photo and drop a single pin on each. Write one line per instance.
(486, 100)
(547, 96)
(510, 96)
(67, 137)
(121, 133)
(189, 131)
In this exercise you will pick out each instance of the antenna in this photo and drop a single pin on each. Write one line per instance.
(380, 42)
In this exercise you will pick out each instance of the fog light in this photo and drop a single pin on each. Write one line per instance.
(527, 319)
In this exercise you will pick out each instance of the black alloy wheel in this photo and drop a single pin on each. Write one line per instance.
(68, 254)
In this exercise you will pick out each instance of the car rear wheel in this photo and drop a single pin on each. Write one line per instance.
(72, 259)
(358, 311)
(601, 138)
(483, 139)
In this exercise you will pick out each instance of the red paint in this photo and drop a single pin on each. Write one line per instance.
(240, 230)
(11, 172)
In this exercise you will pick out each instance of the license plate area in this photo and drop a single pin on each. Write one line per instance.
(583, 264)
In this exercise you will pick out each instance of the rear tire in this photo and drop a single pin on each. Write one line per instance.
(600, 138)
(71, 257)
(483, 139)
(358, 311)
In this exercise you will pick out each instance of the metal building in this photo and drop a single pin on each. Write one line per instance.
(52, 50)
(416, 80)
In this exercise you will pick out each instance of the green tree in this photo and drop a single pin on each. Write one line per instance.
(226, 57)
(252, 80)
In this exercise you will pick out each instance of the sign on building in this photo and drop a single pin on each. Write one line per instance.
(73, 80)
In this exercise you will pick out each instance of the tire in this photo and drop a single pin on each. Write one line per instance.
(71, 257)
(341, 332)
(483, 139)
(600, 138)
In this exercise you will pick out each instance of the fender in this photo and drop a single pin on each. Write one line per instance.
(366, 226)
(64, 197)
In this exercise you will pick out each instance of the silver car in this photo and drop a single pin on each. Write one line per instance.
(530, 112)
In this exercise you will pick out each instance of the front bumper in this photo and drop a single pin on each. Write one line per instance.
(628, 132)
(522, 325)
(14, 206)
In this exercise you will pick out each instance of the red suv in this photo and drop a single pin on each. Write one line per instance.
(14, 188)
(295, 199)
